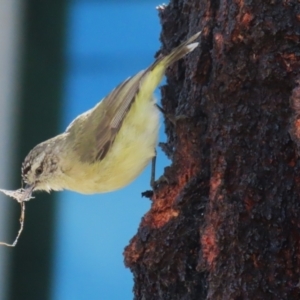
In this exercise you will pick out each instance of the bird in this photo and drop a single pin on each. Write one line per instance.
(108, 146)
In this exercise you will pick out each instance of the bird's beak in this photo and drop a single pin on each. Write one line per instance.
(29, 187)
(28, 191)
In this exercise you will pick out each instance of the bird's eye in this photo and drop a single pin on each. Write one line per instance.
(39, 171)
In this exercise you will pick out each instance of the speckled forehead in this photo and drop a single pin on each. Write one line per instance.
(32, 158)
(26, 163)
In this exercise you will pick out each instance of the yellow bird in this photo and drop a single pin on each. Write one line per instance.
(107, 147)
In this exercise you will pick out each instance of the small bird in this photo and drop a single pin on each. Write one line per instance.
(107, 147)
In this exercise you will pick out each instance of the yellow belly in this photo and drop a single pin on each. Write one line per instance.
(132, 149)
(130, 153)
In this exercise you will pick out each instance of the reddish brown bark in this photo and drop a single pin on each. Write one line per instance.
(226, 224)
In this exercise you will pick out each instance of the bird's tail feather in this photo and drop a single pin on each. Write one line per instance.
(178, 52)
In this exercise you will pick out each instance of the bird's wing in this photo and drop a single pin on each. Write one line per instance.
(94, 132)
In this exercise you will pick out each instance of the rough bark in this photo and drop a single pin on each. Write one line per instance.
(226, 223)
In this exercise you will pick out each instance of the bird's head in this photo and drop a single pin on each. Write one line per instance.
(40, 168)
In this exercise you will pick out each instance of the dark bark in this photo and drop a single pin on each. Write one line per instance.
(226, 223)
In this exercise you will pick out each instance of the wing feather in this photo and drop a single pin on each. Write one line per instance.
(98, 127)
(94, 132)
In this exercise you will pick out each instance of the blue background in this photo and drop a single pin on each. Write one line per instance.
(106, 43)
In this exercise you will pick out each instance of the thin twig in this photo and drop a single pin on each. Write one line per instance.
(21, 196)
(22, 219)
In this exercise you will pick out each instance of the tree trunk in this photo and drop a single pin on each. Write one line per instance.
(226, 222)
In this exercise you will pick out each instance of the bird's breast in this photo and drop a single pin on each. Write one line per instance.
(130, 153)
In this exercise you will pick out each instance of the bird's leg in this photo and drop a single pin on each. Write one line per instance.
(168, 116)
(173, 119)
(153, 165)
(154, 183)
(149, 194)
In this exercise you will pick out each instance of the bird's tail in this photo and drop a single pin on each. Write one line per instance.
(149, 79)
(179, 52)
